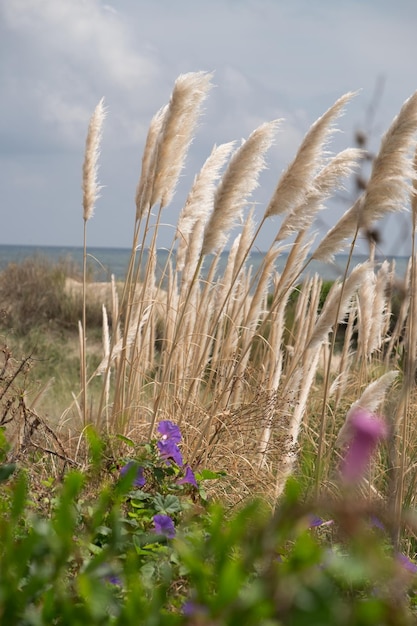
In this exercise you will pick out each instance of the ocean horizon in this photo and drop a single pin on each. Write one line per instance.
(104, 262)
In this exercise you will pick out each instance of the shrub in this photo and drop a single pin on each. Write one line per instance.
(33, 294)
(147, 550)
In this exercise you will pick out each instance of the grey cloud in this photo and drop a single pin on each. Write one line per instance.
(271, 59)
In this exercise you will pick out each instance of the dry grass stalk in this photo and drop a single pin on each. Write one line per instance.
(403, 417)
(106, 355)
(227, 279)
(115, 309)
(340, 383)
(238, 182)
(337, 304)
(124, 342)
(297, 363)
(398, 331)
(167, 144)
(323, 186)
(391, 183)
(380, 317)
(301, 384)
(262, 287)
(178, 127)
(305, 318)
(297, 181)
(91, 191)
(245, 243)
(388, 188)
(91, 188)
(200, 200)
(83, 371)
(390, 293)
(217, 355)
(192, 259)
(294, 265)
(366, 300)
(145, 185)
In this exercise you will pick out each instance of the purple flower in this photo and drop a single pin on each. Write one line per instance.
(375, 521)
(406, 563)
(139, 479)
(167, 446)
(164, 525)
(367, 430)
(114, 580)
(188, 478)
(191, 609)
(314, 521)
(169, 431)
(169, 450)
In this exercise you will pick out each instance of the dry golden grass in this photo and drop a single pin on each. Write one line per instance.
(214, 355)
(247, 363)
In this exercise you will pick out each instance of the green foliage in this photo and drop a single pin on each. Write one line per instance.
(104, 561)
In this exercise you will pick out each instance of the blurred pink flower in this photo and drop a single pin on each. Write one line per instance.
(367, 430)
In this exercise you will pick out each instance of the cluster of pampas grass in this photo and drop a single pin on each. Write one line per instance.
(237, 359)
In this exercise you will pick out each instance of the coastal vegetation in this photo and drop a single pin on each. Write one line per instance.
(238, 447)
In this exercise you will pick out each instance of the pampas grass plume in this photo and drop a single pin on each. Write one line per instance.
(328, 179)
(144, 188)
(297, 180)
(390, 183)
(338, 300)
(388, 188)
(200, 200)
(91, 188)
(177, 131)
(238, 182)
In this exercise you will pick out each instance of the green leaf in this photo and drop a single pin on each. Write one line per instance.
(103, 530)
(292, 490)
(6, 470)
(148, 572)
(140, 540)
(94, 549)
(126, 440)
(138, 494)
(96, 446)
(48, 482)
(206, 474)
(166, 504)
(137, 504)
(4, 444)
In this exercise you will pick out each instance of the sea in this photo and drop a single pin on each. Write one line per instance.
(105, 262)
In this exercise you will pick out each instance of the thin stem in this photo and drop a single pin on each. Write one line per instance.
(323, 418)
(410, 365)
(83, 331)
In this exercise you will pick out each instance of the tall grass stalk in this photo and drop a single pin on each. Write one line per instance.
(386, 189)
(410, 364)
(235, 357)
(91, 190)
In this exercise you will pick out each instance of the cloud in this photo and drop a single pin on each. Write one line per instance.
(270, 59)
(65, 54)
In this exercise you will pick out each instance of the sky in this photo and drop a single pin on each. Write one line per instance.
(270, 59)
